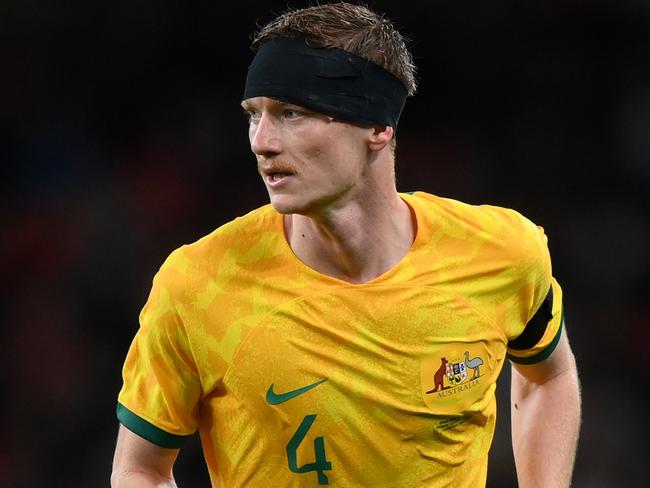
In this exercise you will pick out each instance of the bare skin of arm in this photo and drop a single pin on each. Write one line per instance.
(140, 463)
(546, 419)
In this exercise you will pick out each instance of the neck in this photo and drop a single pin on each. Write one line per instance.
(357, 242)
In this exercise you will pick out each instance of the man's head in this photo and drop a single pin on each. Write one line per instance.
(324, 95)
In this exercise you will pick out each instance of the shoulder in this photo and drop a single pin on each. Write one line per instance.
(488, 217)
(237, 236)
(501, 232)
(244, 239)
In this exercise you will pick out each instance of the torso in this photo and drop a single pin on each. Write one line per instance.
(401, 369)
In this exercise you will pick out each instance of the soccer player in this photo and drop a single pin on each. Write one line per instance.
(347, 334)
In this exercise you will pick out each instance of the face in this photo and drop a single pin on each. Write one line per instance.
(308, 161)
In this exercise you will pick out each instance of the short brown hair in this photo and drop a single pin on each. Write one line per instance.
(353, 28)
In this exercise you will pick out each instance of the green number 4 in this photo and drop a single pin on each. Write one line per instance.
(320, 464)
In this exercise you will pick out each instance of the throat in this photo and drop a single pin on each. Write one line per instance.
(355, 251)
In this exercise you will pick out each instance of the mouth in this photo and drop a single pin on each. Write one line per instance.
(276, 176)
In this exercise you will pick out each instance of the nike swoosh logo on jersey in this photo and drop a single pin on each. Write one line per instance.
(273, 398)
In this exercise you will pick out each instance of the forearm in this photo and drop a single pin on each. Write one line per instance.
(545, 429)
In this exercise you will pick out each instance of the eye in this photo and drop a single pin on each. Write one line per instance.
(252, 115)
(291, 113)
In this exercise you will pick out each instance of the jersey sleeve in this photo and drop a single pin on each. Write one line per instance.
(161, 389)
(541, 309)
(542, 332)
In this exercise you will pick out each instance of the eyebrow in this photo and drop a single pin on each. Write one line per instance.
(248, 105)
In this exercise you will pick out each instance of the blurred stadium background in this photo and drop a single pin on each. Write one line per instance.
(122, 138)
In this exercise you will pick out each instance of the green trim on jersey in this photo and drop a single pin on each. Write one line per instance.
(149, 431)
(540, 356)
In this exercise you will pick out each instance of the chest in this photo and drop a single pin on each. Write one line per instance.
(409, 349)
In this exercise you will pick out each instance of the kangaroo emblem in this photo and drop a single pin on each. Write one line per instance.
(438, 378)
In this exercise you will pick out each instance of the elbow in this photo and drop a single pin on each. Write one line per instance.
(128, 478)
(117, 478)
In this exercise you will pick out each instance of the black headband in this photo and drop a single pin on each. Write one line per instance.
(327, 80)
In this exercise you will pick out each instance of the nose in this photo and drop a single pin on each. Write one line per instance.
(264, 136)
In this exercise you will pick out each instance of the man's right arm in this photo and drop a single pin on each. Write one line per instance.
(140, 463)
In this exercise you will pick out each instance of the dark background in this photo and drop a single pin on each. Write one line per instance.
(121, 138)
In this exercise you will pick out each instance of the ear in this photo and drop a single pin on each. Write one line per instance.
(380, 137)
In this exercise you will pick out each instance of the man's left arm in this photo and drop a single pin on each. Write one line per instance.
(545, 405)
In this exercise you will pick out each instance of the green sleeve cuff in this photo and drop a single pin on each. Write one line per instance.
(540, 356)
(149, 431)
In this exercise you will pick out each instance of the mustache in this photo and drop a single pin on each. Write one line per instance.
(275, 167)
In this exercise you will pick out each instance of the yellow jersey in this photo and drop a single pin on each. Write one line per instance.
(295, 378)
